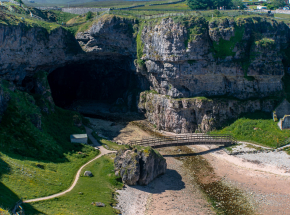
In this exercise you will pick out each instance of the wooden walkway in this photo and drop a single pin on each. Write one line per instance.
(185, 139)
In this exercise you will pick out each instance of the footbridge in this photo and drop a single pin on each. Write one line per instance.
(185, 139)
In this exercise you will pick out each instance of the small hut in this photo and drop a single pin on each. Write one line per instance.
(79, 138)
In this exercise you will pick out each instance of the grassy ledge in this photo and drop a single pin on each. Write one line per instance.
(100, 188)
(257, 128)
(34, 161)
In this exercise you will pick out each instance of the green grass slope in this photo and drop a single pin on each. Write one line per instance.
(99, 188)
(257, 128)
(34, 161)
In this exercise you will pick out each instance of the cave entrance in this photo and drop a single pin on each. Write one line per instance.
(98, 84)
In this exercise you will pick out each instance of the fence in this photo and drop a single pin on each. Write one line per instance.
(187, 139)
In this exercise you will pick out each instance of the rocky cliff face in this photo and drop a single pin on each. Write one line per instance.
(191, 57)
(196, 114)
(139, 165)
(109, 35)
(180, 58)
(26, 50)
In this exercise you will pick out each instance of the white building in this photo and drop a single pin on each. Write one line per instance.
(79, 138)
(260, 7)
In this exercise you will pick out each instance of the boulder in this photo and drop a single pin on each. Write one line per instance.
(88, 174)
(98, 204)
(140, 165)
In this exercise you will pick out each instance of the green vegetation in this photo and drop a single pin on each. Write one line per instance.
(265, 43)
(63, 17)
(110, 144)
(89, 15)
(179, 6)
(8, 18)
(202, 98)
(287, 150)
(99, 188)
(4, 212)
(196, 26)
(36, 157)
(140, 46)
(257, 128)
(224, 48)
(210, 4)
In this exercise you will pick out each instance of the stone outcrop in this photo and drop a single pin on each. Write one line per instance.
(241, 58)
(188, 115)
(109, 35)
(139, 165)
(282, 109)
(25, 50)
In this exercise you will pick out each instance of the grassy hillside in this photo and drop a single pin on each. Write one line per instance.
(37, 160)
(99, 188)
(257, 128)
(89, 3)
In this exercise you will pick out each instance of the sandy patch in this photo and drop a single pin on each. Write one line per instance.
(120, 132)
(172, 193)
(267, 185)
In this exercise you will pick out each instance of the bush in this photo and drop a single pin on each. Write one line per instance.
(217, 13)
(265, 43)
(89, 15)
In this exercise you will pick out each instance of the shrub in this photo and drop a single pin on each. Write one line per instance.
(89, 15)
(265, 43)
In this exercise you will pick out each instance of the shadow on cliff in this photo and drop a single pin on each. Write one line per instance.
(171, 180)
(198, 153)
(8, 198)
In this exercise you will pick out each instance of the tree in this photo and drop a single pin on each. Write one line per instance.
(204, 4)
(238, 3)
(278, 3)
(20, 2)
(89, 15)
(221, 3)
(198, 4)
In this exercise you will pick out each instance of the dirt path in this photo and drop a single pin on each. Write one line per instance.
(103, 151)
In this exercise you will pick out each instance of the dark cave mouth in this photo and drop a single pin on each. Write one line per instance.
(102, 85)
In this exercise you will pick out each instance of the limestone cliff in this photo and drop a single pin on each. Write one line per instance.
(187, 115)
(182, 57)
(25, 50)
(234, 57)
(109, 35)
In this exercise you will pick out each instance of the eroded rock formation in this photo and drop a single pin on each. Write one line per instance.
(139, 165)
(240, 58)
(188, 115)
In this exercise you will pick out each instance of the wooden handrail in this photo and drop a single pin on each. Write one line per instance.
(186, 138)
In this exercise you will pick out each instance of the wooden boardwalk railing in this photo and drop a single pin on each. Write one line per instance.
(185, 139)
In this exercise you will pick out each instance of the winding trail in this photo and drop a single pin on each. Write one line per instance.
(96, 144)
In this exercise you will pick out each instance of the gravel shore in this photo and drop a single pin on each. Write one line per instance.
(279, 159)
